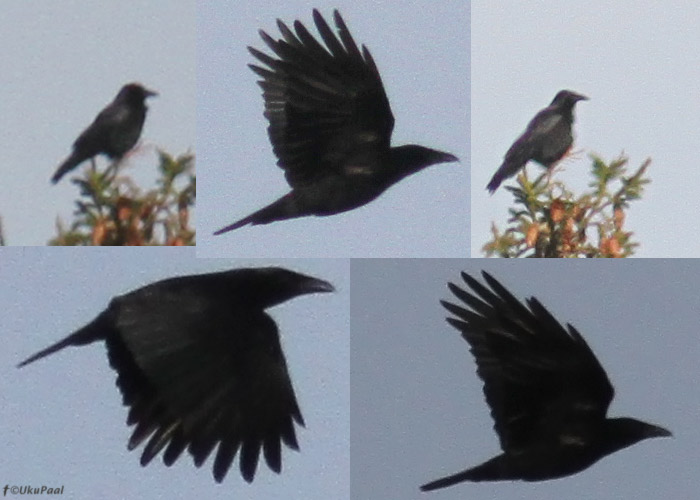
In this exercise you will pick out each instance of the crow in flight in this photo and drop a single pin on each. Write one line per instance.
(114, 132)
(330, 124)
(199, 363)
(546, 139)
(548, 393)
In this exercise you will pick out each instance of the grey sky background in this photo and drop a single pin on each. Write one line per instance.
(418, 411)
(638, 64)
(63, 62)
(63, 419)
(423, 56)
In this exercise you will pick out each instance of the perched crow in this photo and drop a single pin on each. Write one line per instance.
(546, 139)
(330, 124)
(114, 132)
(199, 363)
(548, 393)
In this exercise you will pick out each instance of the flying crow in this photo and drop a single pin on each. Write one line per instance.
(330, 124)
(114, 132)
(546, 139)
(199, 363)
(548, 393)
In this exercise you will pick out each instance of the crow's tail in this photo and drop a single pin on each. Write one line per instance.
(444, 482)
(494, 182)
(509, 168)
(87, 334)
(71, 162)
(495, 469)
(284, 208)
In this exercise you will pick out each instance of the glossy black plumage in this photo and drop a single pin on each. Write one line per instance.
(113, 132)
(546, 139)
(330, 124)
(548, 393)
(200, 365)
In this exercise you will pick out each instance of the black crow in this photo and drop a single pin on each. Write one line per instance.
(330, 124)
(199, 363)
(548, 393)
(546, 139)
(114, 132)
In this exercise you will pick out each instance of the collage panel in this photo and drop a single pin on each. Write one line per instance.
(627, 183)
(196, 352)
(340, 191)
(419, 410)
(97, 123)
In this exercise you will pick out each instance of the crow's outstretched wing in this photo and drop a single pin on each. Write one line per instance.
(328, 112)
(539, 377)
(199, 373)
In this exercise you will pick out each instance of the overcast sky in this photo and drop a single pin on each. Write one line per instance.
(418, 411)
(63, 419)
(423, 57)
(638, 63)
(65, 61)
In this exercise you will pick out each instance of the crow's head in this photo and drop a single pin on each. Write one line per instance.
(624, 432)
(134, 93)
(269, 286)
(567, 99)
(412, 158)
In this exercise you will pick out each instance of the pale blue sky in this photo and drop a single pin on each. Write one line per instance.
(418, 410)
(639, 64)
(423, 56)
(63, 419)
(62, 63)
